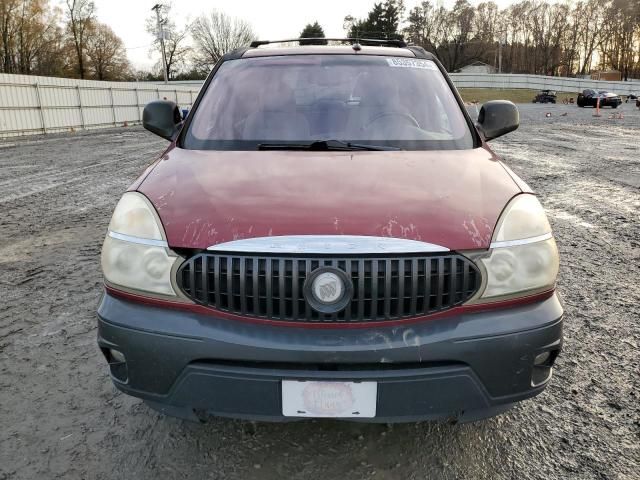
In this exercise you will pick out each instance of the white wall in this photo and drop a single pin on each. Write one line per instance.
(32, 105)
(540, 82)
(475, 69)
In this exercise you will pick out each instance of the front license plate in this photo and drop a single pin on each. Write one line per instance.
(329, 399)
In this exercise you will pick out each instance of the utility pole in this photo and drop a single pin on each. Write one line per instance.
(157, 8)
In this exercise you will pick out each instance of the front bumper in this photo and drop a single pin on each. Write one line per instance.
(461, 367)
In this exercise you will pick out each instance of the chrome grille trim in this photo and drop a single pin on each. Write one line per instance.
(140, 240)
(385, 288)
(523, 241)
(327, 244)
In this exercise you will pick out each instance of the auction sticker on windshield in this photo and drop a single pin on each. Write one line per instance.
(329, 399)
(411, 63)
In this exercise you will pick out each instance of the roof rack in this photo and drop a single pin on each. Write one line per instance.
(400, 43)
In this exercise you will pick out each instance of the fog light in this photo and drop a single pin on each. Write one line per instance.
(541, 358)
(543, 367)
(116, 356)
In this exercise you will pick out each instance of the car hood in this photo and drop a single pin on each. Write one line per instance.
(448, 198)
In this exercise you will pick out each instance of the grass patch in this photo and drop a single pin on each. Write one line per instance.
(516, 95)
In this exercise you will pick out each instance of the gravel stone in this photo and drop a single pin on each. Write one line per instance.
(62, 418)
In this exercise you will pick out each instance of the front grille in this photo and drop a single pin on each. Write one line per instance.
(384, 288)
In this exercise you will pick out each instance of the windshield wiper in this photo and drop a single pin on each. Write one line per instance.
(324, 145)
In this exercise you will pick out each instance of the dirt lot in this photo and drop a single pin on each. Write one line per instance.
(60, 417)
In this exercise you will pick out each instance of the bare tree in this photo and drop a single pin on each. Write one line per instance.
(106, 56)
(216, 34)
(37, 35)
(538, 36)
(461, 26)
(80, 14)
(422, 26)
(7, 27)
(30, 35)
(177, 50)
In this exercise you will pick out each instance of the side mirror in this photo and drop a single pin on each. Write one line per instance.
(497, 118)
(163, 118)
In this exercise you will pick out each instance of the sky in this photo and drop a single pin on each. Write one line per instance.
(270, 19)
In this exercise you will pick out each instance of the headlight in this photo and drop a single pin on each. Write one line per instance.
(523, 258)
(135, 254)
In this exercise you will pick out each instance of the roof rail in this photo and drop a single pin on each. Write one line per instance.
(400, 43)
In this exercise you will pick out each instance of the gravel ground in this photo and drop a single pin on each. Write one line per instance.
(60, 417)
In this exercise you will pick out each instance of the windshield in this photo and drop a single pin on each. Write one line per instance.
(388, 101)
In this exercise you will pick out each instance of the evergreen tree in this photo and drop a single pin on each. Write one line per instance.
(313, 30)
(381, 22)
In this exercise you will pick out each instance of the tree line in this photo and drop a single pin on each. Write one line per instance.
(530, 36)
(191, 51)
(67, 40)
(63, 41)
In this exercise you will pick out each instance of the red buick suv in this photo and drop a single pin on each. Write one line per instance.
(328, 234)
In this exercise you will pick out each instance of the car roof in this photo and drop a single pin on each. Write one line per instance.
(329, 50)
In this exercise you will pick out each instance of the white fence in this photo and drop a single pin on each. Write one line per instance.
(540, 82)
(32, 105)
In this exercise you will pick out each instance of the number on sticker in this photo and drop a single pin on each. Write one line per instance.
(411, 63)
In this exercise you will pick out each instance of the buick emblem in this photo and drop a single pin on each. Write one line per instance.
(327, 287)
(328, 290)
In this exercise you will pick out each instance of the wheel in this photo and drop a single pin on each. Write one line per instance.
(615, 105)
(553, 101)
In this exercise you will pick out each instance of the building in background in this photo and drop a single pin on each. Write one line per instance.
(477, 67)
(608, 75)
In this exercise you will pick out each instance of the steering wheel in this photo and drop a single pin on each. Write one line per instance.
(404, 116)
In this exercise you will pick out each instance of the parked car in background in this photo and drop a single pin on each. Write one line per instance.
(329, 234)
(545, 96)
(589, 98)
